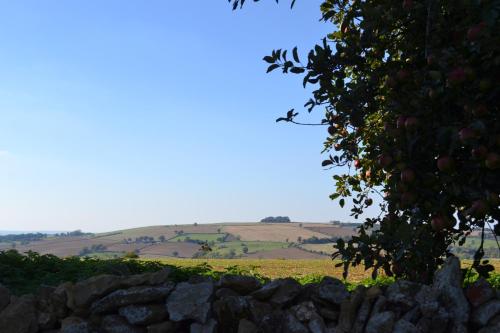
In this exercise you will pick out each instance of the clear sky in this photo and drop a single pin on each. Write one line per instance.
(117, 114)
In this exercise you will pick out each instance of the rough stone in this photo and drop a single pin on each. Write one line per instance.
(329, 314)
(240, 283)
(484, 313)
(286, 292)
(75, 325)
(440, 320)
(134, 295)
(82, 293)
(332, 290)
(143, 314)
(427, 301)
(267, 290)
(150, 278)
(349, 308)
(490, 329)
(46, 320)
(292, 324)
(402, 293)
(190, 301)
(381, 322)
(403, 326)
(479, 292)
(316, 324)
(271, 322)
(164, 327)
(258, 310)
(209, 327)
(246, 326)
(379, 305)
(225, 292)
(116, 324)
(413, 315)
(304, 311)
(229, 311)
(4, 297)
(364, 309)
(448, 285)
(19, 316)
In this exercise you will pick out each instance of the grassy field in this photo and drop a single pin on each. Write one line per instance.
(253, 247)
(280, 268)
(198, 237)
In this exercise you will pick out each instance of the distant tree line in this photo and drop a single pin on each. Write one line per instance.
(93, 249)
(23, 238)
(76, 233)
(276, 219)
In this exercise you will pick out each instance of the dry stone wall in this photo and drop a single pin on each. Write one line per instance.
(151, 303)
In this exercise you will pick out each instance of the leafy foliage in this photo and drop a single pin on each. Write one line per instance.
(410, 94)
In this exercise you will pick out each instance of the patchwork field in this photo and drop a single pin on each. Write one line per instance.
(225, 240)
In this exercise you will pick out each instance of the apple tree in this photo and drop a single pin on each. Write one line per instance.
(410, 92)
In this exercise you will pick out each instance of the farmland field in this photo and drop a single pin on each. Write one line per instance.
(208, 237)
(281, 268)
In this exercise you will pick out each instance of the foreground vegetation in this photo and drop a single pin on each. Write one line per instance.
(24, 273)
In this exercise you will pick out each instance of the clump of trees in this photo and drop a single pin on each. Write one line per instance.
(76, 233)
(23, 238)
(410, 95)
(276, 219)
(95, 248)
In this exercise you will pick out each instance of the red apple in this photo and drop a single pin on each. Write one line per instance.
(479, 208)
(384, 160)
(479, 152)
(357, 164)
(437, 223)
(368, 173)
(400, 123)
(332, 130)
(466, 134)
(391, 82)
(368, 202)
(407, 4)
(445, 164)
(403, 74)
(480, 110)
(492, 161)
(337, 146)
(456, 76)
(431, 59)
(494, 199)
(408, 175)
(411, 123)
(475, 31)
(407, 198)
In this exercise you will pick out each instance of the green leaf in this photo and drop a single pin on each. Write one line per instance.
(272, 68)
(295, 54)
(342, 203)
(297, 70)
(268, 59)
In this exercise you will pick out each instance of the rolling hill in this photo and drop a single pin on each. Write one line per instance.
(226, 240)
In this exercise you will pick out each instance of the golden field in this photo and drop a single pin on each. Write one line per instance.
(280, 268)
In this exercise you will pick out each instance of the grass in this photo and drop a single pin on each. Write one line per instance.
(24, 273)
(326, 248)
(198, 237)
(253, 247)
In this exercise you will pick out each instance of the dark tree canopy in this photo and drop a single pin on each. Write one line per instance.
(276, 219)
(410, 91)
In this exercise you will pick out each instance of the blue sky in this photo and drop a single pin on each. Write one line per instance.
(117, 114)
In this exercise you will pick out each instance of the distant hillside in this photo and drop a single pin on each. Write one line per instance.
(226, 240)
(289, 240)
